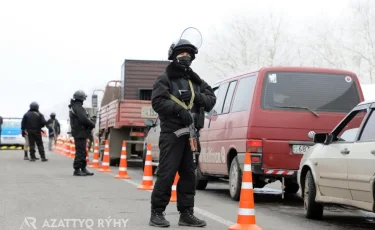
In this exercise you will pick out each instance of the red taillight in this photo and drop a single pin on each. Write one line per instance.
(254, 146)
(255, 159)
(137, 134)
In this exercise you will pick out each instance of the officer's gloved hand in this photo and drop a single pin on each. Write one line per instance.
(185, 96)
(185, 117)
(23, 133)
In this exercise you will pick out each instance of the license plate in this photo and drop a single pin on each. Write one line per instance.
(300, 149)
(148, 112)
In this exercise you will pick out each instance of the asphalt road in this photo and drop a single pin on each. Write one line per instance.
(44, 191)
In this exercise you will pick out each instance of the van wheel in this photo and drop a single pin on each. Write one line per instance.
(313, 209)
(291, 188)
(200, 184)
(235, 179)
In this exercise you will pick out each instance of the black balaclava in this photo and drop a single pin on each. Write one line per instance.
(183, 61)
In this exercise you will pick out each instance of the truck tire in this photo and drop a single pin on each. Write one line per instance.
(200, 184)
(235, 179)
(313, 209)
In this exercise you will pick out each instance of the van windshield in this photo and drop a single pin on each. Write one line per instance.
(312, 92)
(11, 124)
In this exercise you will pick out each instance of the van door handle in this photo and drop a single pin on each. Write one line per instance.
(373, 152)
(345, 151)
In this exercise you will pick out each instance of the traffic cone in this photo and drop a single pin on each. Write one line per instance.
(87, 152)
(123, 169)
(246, 211)
(67, 148)
(105, 163)
(72, 150)
(95, 160)
(174, 186)
(147, 181)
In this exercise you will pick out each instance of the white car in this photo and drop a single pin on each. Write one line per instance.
(340, 167)
(11, 132)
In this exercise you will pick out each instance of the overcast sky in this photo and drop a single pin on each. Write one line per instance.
(49, 49)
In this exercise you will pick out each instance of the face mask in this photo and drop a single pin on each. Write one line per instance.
(184, 61)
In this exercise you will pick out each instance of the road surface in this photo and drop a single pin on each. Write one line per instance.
(47, 195)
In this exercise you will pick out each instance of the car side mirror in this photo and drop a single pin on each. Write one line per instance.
(150, 123)
(320, 138)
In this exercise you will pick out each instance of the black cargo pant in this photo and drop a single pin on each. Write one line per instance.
(175, 155)
(35, 138)
(80, 155)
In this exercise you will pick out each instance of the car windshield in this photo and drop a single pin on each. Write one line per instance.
(314, 92)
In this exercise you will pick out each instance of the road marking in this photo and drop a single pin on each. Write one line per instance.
(203, 212)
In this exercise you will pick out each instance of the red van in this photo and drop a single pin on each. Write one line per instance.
(270, 113)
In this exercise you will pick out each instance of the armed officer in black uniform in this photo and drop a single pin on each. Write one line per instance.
(32, 123)
(179, 83)
(81, 126)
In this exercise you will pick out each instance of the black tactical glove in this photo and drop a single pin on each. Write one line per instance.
(23, 133)
(185, 96)
(185, 117)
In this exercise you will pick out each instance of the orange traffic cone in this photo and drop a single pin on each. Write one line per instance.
(105, 163)
(87, 152)
(95, 160)
(147, 181)
(246, 211)
(174, 186)
(123, 169)
(67, 148)
(72, 150)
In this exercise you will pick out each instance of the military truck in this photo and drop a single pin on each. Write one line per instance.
(125, 106)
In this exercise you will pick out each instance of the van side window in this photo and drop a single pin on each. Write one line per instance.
(244, 94)
(368, 133)
(220, 98)
(228, 98)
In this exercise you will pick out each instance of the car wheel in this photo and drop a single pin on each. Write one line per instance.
(235, 180)
(313, 209)
(200, 184)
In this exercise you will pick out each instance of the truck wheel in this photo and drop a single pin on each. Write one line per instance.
(291, 188)
(313, 209)
(235, 180)
(200, 184)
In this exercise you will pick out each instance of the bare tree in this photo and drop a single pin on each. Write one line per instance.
(248, 43)
(351, 43)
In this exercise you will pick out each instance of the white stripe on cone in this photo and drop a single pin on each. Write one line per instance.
(122, 169)
(246, 212)
(247, 185)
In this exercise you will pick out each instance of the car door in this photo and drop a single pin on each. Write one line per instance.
(153, 139)
(331, 161)
(361, 163)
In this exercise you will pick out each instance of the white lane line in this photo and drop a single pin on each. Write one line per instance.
(203, 212)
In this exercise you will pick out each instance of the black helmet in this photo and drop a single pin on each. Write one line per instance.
(53, 115)
(182, 45)
(79, 95)
(34, 106)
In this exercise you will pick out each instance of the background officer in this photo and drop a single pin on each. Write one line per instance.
(175, 151)
(32, 123)
(81, 127)
(53, 126)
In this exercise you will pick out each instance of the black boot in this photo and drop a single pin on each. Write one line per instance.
(26, 158)
(44, 159)
(87, 172)
(78, 172)
(187, 218)
(157, 219)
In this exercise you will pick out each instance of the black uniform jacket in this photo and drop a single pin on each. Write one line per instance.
(170, 82)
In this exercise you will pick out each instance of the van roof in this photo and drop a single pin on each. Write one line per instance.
(289, 68)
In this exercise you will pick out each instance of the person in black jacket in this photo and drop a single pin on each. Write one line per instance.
(32, 123)
(81, 126)
(53, 126)
(175, 151)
